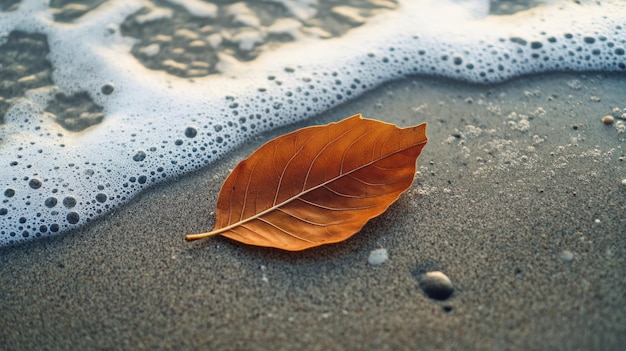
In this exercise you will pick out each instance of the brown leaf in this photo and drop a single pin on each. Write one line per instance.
(317, 185)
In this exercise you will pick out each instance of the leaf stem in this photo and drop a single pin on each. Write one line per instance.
(192, 237)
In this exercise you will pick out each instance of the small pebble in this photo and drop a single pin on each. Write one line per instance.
(567, 256)
(161, 38)
(184, 33)
(178, 51)
(377, 257)
(608, 119)
(197, 45)
(28, 79)
(200, 64)
(624, 182)
(107, 88)
(174, 65)
(436, 285)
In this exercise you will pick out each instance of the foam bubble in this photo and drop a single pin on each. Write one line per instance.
(136, 126)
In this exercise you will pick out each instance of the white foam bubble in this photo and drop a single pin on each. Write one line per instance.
(158, 126)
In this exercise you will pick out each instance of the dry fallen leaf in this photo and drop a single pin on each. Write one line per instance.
(317, 185)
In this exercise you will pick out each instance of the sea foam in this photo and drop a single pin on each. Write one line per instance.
(151, 125)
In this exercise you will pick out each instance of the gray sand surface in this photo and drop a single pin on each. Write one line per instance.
(515, 177)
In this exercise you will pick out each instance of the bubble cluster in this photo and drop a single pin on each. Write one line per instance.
(136, 127)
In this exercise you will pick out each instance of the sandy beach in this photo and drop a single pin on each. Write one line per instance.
(518, 200)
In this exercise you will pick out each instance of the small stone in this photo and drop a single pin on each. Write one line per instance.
(608, 119)
(178, 51)
(207, 29)
(28, 79)
(171, 64)
(436, 285)
(185, 34)
(567, 256)
(161, 38)
(624, 182)
(197, 45)
(377, 257)
(107, 89)
(200, 64)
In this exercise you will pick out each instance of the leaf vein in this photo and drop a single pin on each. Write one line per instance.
(282, 175)
(334, 208)
(283, 230)
(309, 221)
(308, 172)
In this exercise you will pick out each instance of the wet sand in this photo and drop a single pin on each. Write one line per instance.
(518, 201)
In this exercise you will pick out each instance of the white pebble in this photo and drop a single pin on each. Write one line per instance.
(378, 257)
(567, 256)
